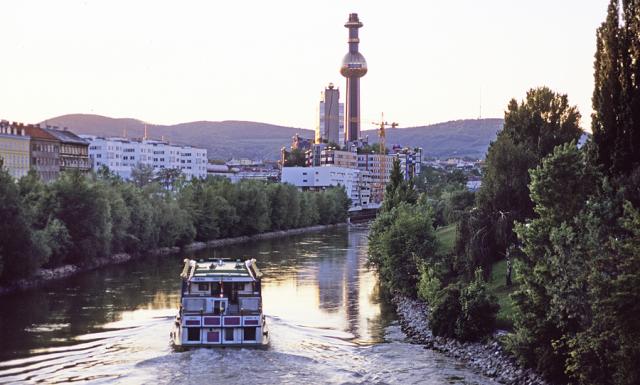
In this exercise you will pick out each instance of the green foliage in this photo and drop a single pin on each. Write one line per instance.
(446, 193)
(445, 310)
(83, 206)
(606, 351)
(80, 218)
(478, 310)
(531, 130)
(497, 286)
(429, 284)
(616, 96)
(399, 241)
(398, 190)
(16, 247)
(446, 237)
(465, 311)
(373, 148)
(295, 158)
(551, 301)
(142, 174)
(576, 311)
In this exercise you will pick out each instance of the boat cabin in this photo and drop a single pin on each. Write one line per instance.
(221, 304)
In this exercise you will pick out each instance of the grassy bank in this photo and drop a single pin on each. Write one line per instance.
(446, 236)
(497, 286)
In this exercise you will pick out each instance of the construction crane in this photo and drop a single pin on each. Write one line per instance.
(380, 184)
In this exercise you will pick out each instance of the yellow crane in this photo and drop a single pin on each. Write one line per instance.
(380, 184)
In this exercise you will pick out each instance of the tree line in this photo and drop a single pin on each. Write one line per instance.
(80, 218)
(566, 216)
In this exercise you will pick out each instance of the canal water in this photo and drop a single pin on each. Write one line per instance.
(327, 321)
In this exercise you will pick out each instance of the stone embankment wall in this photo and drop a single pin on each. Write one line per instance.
(45, 275)
(488, 358)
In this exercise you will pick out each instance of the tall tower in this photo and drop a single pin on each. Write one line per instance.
(353, 68)
(330, 127)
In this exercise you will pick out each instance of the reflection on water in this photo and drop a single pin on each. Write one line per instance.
(327, 323)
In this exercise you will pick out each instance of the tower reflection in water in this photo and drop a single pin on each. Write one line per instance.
(329, 285)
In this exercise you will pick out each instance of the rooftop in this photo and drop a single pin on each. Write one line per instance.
(66, 136)
(221, 268)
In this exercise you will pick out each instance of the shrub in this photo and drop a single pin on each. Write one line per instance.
(466, 312)
(445, 311)
(478, 310)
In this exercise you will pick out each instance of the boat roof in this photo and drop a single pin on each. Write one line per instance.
(223, 267)
(220, 269)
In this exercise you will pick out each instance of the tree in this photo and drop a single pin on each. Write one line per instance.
(552, 302)
(83, 206)
(16, 257)
(606, 350)
(398, 190)
(295, 158)
(400, 240)
(531, 130)
(168, 177)
(616, 96)
(142, 174)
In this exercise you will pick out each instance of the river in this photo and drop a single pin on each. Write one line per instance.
(327, 321)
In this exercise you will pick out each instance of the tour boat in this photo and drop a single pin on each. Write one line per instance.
(220, 305)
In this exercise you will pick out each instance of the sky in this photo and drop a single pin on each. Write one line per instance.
(168, 62)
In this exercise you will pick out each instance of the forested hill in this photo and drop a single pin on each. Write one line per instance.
(238, 139)
(457, 138)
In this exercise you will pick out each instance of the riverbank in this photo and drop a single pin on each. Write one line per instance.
(43, 276)
(487, 358)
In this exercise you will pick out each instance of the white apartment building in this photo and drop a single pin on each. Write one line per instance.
(121, 155)
(356, 182)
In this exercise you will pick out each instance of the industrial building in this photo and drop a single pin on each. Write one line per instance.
(354, 66)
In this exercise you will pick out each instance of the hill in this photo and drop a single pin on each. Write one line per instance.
(458, 138)
(238, 139)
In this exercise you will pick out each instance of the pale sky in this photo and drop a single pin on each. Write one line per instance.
(168, 62)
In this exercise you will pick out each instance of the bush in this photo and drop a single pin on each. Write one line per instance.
(464, 312)
(399, 241)
(478, 311)
(445, 311)
(429, 284)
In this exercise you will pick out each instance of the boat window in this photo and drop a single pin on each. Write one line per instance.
(250, 334)
(250, 303)
(228, 334)
(203, 287)
(193, 334)
(194, 304)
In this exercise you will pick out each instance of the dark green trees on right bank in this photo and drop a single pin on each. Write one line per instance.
(578, 306)
(616, 97)
(532, 128)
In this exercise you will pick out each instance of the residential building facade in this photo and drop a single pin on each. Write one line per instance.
(122, 155)
(14, 148)
(44, 153)
(74, 151)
